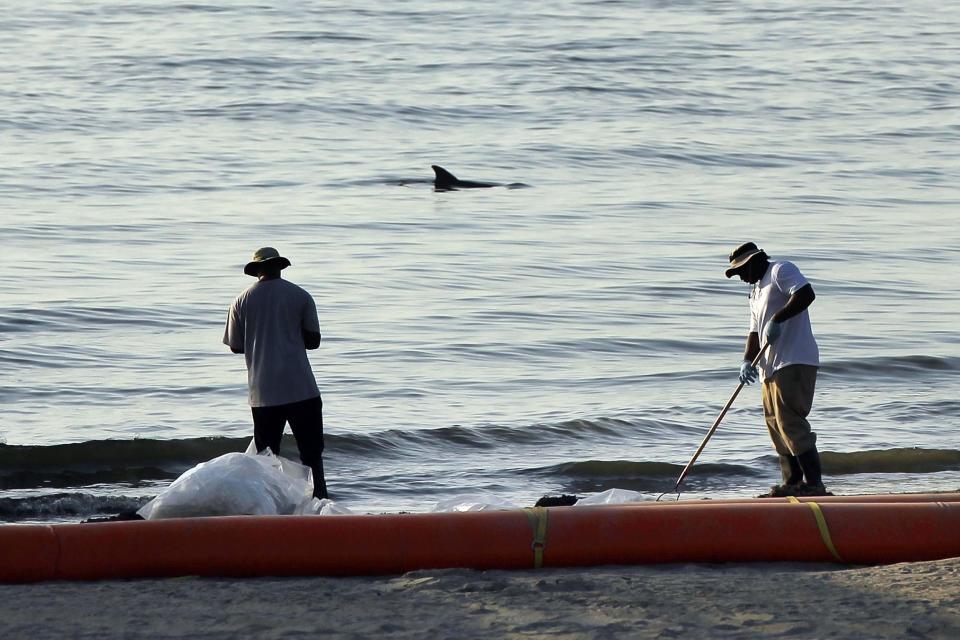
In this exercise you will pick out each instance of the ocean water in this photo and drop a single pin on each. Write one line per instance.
(570, 336)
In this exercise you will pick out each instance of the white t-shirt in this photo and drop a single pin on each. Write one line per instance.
(796, 344)
(267, 321)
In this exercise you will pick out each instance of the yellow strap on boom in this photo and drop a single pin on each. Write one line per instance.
(538, 521)
(821, 525)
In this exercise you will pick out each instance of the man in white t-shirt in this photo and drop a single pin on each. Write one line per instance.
(272, 323)
(788, 369)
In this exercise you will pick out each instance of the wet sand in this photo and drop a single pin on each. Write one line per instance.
(910, 600)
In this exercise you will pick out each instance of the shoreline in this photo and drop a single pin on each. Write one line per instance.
(741, 601)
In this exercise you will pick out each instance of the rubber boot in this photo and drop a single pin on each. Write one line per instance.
(792, 479)
(810, 463)
(791, 470)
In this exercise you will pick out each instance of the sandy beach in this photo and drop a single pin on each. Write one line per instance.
(910, 600)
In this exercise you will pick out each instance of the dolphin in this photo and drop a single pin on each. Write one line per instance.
(446, 181)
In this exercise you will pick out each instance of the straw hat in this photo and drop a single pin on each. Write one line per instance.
(263, 257)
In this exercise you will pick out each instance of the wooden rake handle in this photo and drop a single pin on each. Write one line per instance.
(716, 423)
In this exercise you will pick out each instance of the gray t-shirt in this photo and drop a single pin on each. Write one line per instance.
(267, 322)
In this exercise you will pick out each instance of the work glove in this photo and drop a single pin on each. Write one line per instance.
(748, 372)
(772, 331)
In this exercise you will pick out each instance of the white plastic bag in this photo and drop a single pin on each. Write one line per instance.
(474, 502)
(323, 507)
(235, 484)
(611, 496)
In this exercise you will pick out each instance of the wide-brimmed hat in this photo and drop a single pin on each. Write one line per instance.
(265, 256)
(741, 256)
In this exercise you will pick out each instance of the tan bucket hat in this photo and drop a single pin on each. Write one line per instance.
(265, 256)
(741, 256)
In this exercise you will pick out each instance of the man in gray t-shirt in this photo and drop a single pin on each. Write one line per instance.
(272, 323)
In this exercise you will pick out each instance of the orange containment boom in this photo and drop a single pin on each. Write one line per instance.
(698, 531)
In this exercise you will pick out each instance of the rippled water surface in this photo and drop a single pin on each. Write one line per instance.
(572, 335)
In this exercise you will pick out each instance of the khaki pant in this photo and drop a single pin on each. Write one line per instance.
(787, 399)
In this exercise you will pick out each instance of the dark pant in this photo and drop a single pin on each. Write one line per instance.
(306, 422)
(787, 400)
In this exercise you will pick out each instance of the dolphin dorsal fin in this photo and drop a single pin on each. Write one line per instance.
(443, 177)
